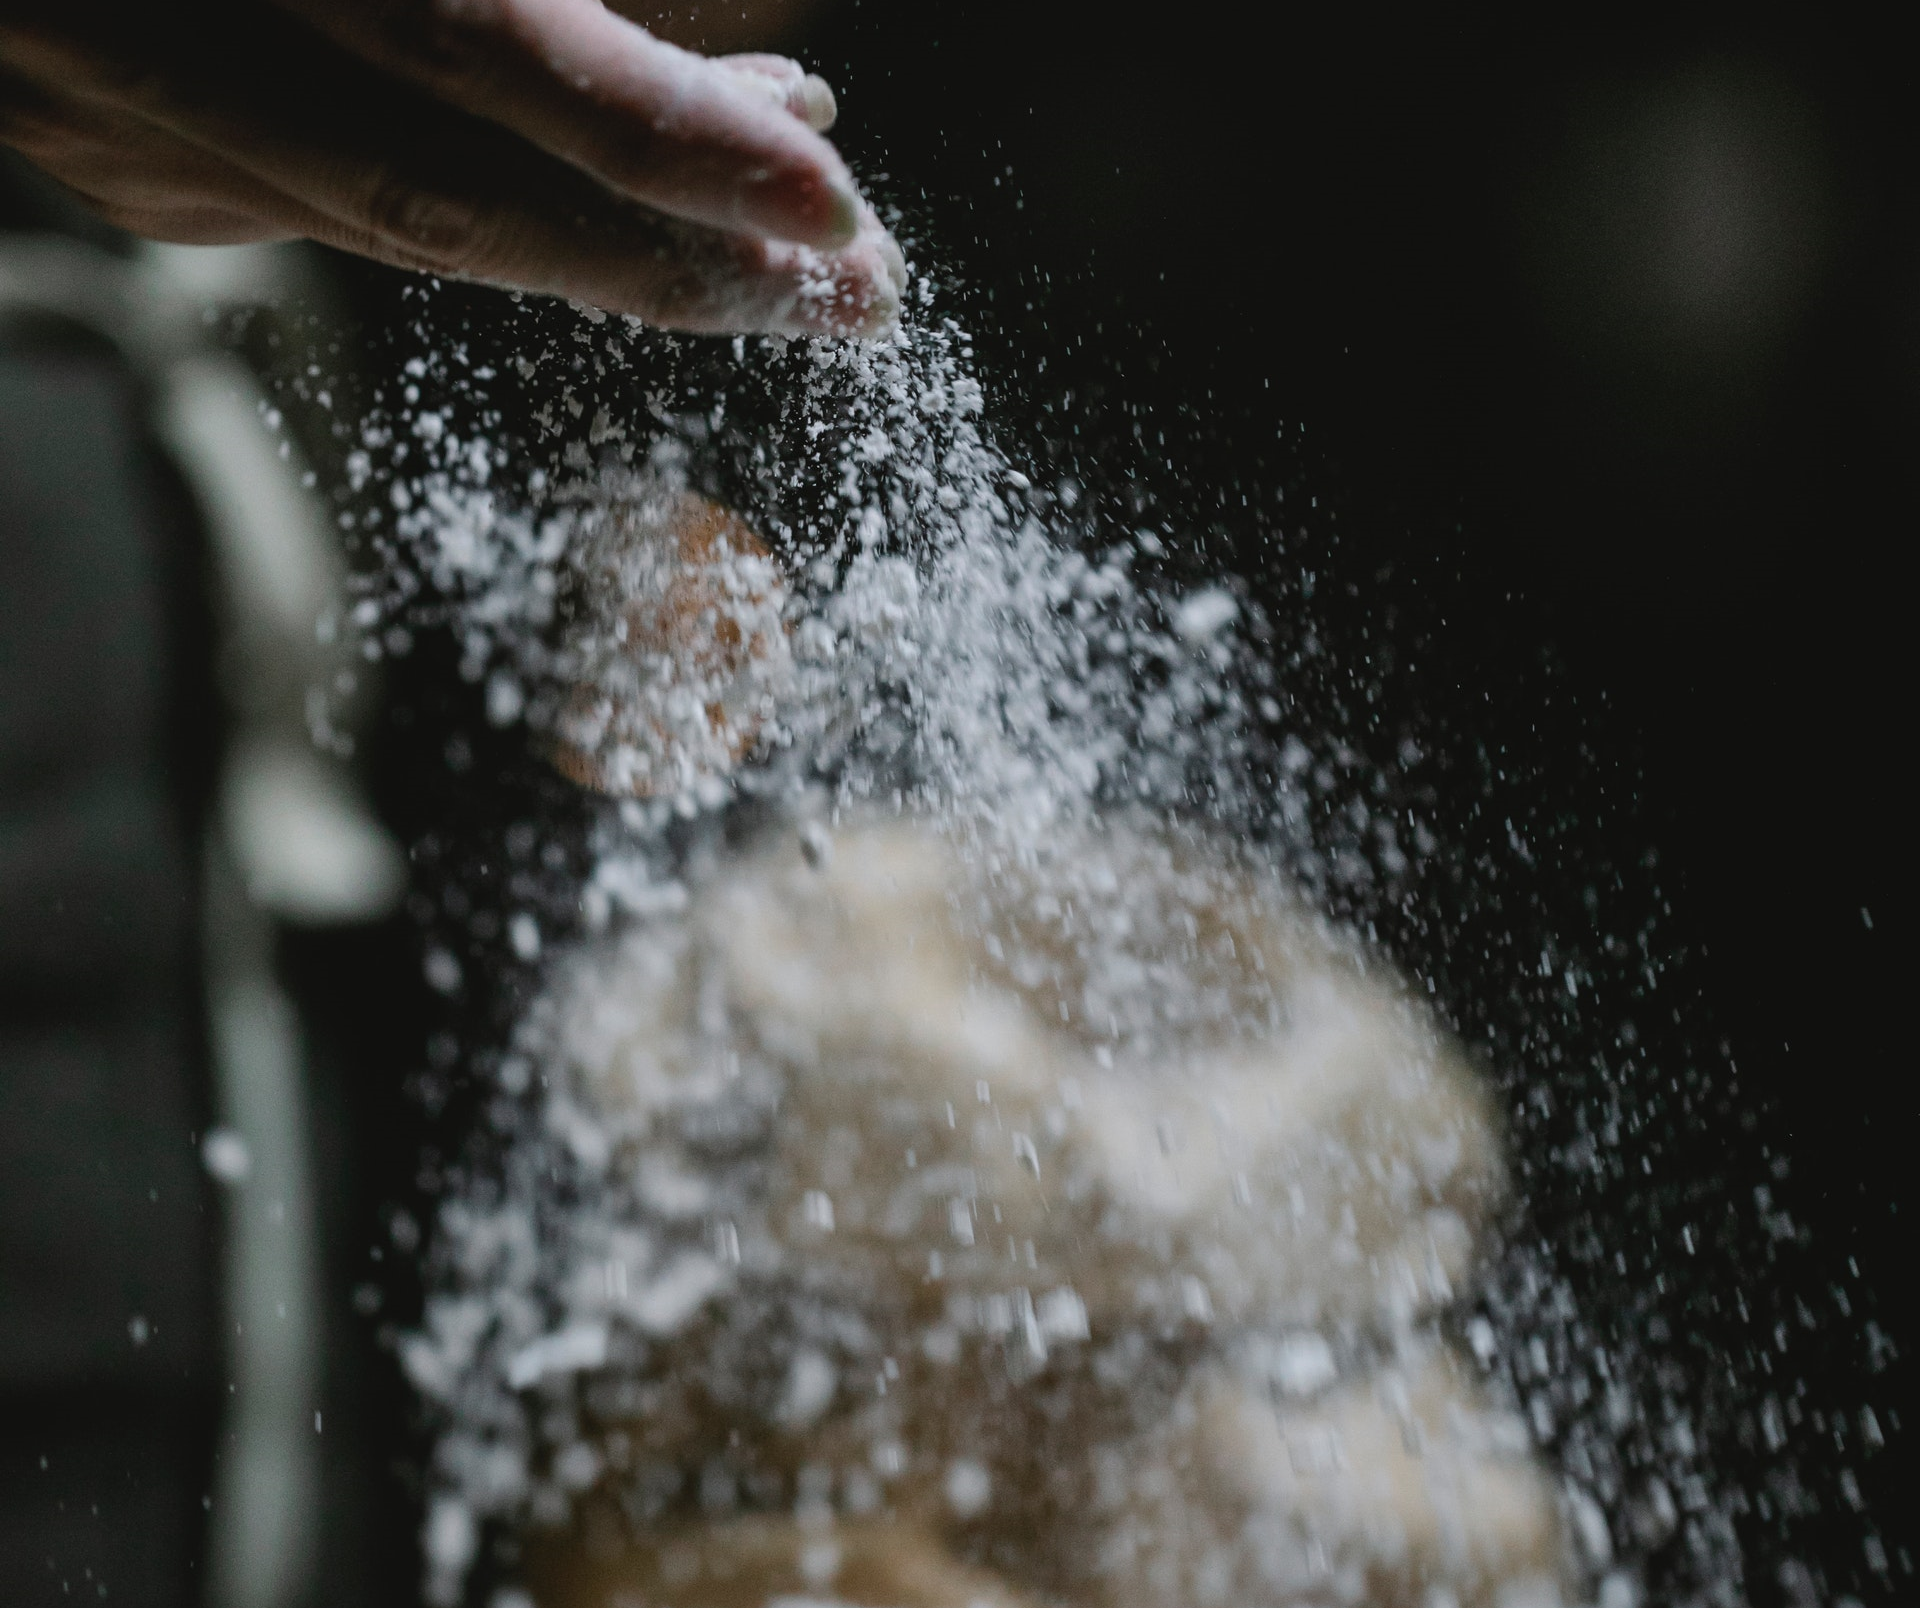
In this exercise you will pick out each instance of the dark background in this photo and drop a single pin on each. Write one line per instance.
(1576, 358)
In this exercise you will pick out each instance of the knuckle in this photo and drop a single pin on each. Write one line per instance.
(388, 205)
(700, 304)
(397, 208)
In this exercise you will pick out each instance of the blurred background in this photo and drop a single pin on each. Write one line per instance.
(1553, 379)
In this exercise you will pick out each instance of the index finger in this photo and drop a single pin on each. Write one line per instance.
(676, 131)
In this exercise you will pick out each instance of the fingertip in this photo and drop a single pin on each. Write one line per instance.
(851, 297)
(788, 85)
(705, 282)
(818, 109)
(848, 213)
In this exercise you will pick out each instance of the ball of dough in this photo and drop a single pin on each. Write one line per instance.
(1008, 1160)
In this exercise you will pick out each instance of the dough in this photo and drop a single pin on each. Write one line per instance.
(1065, 1228)
(1332, 1167)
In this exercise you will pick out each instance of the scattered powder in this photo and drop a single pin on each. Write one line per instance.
(930, 633)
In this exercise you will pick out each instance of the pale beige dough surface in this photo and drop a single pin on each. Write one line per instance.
(1140, 1299)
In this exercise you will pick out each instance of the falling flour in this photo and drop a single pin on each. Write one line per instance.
(956, 1162)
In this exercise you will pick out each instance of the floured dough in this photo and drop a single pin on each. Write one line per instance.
(937, 1114)
(1062, 1231)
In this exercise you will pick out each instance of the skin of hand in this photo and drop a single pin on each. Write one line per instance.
(548, 145)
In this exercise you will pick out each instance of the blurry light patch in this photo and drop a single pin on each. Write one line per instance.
(1686, 217)
(226, 1156)
(310, 848)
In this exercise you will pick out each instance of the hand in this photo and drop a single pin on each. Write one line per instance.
(544, 144)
